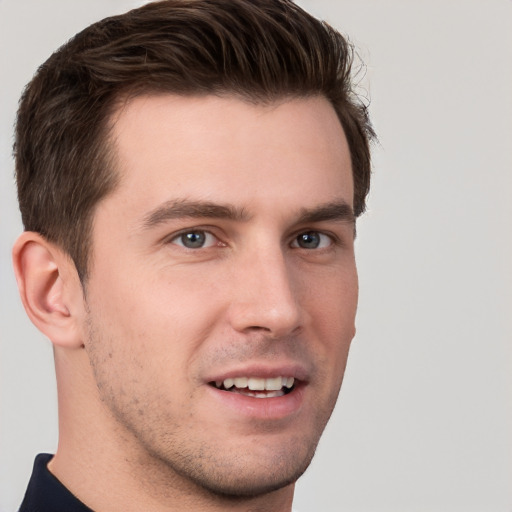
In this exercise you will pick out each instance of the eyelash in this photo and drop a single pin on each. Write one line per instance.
(205, 232)
(311, 233)
(332, 239)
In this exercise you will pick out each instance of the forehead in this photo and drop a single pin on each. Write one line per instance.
(223, 148)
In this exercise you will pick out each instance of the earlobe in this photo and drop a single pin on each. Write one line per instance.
(49, 288)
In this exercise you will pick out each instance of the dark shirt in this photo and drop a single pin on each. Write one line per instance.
(46, 494)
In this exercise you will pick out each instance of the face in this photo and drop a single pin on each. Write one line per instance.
(223, 288)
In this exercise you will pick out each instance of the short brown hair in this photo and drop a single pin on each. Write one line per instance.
(260, 50)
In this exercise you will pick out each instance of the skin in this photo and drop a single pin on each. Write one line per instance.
(141, 426)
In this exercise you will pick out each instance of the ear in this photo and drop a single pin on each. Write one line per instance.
(50, 289)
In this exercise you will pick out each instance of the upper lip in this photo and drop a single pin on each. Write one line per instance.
(261, 370)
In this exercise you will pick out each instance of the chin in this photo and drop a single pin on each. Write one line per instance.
(247, 483)
(247, 475)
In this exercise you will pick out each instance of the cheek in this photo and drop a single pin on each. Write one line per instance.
(333, 313)
(334, 303)
(160, 321)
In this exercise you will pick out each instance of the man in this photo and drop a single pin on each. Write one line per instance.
(189, 177)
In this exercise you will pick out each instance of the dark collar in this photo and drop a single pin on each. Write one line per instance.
(46, 494)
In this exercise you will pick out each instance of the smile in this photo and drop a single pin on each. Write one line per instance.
(257, 387)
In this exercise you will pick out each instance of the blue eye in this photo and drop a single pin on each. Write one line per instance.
(195, 239)
(312, 240)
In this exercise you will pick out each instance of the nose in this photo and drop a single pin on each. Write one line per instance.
(266, 296)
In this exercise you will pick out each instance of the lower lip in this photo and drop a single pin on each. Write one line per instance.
(275, 408)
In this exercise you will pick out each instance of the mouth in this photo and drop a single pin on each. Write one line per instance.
(257, 387)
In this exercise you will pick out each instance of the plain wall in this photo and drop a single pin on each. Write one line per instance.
(424, 421)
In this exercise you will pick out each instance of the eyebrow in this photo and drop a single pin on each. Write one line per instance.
(338, 210)
(180, 208)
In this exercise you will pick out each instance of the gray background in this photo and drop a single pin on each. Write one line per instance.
(424, 422)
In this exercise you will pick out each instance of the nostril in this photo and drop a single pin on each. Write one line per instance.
(258, 328)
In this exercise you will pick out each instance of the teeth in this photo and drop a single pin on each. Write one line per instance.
(257, 383)
(269, 394)
(274, 384)
(229, 383)
(241, 382)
